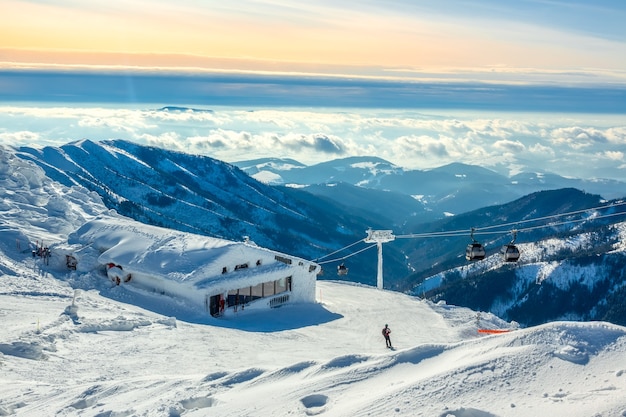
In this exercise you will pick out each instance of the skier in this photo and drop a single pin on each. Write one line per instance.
(386, 333)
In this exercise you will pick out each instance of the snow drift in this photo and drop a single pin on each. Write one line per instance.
(72, 344)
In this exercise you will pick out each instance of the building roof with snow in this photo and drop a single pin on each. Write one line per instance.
(202, 269)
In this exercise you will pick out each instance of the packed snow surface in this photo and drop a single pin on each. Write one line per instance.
(74, 344)
(80, 352)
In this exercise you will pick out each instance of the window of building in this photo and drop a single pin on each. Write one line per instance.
(268, 289)
(256, 291)
(283, 259)
(244, 295)
(281, 285)
(241, 266)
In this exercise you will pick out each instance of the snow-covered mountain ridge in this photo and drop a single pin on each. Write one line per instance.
(452, 188)
(580, 277)
(72, 344)
(196, 194)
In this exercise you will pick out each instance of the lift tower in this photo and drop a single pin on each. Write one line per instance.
(379, 237)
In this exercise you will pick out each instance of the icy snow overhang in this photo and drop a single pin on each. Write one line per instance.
(165, 253)
(245, 277)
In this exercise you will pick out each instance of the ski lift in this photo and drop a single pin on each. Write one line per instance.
(474, 251)
(342, 269)
(510, 253)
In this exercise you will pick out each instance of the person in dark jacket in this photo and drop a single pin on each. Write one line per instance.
(386, 333)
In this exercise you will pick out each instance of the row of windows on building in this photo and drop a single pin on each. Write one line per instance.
(266, 289)
(239, 297)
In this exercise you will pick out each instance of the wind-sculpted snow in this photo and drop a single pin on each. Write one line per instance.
(23, 350)
(574, 342)
(118, 324)
(36, 210)
(116, 359)
(72, 344)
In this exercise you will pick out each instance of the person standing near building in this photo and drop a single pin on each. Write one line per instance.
(386, 333)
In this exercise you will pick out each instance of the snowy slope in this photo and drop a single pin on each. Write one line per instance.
(36, 209)
(93, 356)
(73, 345)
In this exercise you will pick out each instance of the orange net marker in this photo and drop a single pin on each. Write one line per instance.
(492, 331)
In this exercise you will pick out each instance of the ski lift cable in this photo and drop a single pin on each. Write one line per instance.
(458, 233)
(476, 231)
(525, 229)
(348, 256)
(463, 232)
(552, 216)
(570, 221)
(337, 251)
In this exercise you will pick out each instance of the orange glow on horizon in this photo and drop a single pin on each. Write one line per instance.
(304, 38)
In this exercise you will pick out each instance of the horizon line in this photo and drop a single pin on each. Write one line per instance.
(242, 88)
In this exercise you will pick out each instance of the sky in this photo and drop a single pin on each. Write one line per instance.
(516, 41)
(74, 344)
(536, 85)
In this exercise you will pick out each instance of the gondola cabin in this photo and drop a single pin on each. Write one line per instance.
(510, 253)
(474, 252)
(342, 270)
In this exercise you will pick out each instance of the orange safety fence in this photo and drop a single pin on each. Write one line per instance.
(493, 331)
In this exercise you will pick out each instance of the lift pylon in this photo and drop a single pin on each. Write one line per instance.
(379, 237)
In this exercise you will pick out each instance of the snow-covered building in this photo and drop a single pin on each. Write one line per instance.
(218, 276)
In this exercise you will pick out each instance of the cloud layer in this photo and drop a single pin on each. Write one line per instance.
(583, 146)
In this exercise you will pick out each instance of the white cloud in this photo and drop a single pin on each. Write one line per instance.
(421, 146)
(414, 140)
(538, 149)
(509, 145)
(182, 115)
(578, 137)
(613, 155)
(23, 137)
(317, 142)
(616, 135)
(168, 140)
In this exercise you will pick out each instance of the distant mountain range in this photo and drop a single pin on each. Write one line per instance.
(324, 212)
(451, 189)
